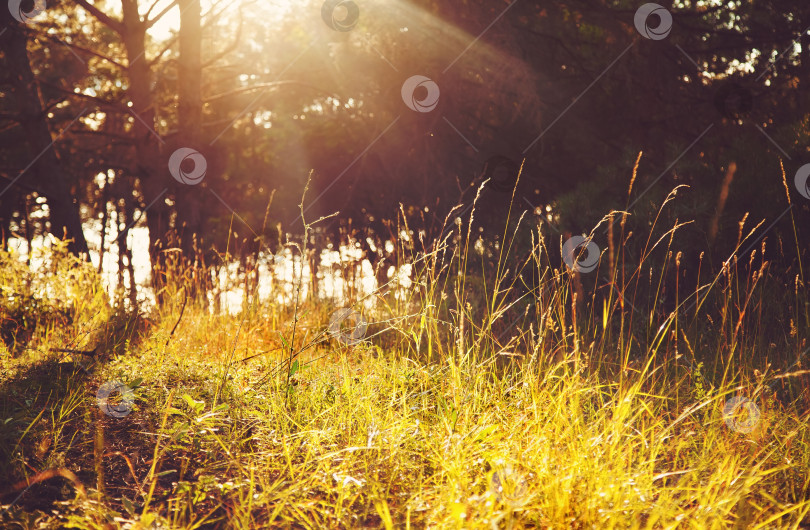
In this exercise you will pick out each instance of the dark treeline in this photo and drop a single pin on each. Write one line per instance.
(570, 90)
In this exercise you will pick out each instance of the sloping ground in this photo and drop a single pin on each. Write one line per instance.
(364, 438)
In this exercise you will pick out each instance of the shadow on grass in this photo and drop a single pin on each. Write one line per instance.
(49, 421)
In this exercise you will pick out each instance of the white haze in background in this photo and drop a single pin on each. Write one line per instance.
(287, 271)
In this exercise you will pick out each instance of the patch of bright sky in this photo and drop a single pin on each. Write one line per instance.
(170, 23)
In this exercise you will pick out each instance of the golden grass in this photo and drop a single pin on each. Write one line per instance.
(463, 408)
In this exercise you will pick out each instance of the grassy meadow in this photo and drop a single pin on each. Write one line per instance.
(520, 395)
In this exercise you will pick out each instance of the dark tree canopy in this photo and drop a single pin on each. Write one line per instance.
(569, 92)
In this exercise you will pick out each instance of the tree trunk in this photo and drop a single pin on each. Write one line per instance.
(46, 174)
(152, 175)
(189, 91)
